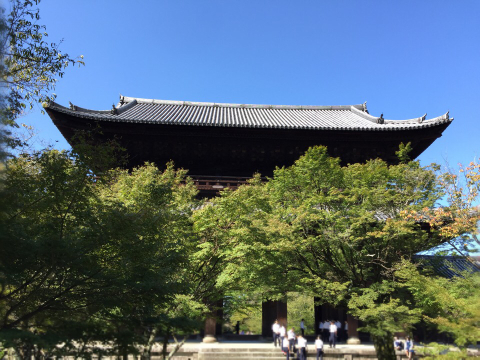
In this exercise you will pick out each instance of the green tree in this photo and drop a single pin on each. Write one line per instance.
(451, 305)
(246, 309)
(231, 238)
(31, 65)
(335, 233)
(459, 220)
(78, 248)
(301, 306)
(347, 234)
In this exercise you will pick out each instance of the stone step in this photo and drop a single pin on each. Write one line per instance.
(262, 351)
(258, 355)
(255, 350)
(242, 356)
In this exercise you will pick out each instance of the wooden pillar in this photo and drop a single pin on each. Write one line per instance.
(352, 330)
(318, 314)
(268, 317)
(282, 313)
(213, 322)
(210, 329)
(219, 325)
(271, 311)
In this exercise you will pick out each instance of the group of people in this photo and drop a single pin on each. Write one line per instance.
(289, 342)
(408, 346)
(327, 327)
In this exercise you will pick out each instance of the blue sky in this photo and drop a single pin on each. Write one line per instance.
(405, 58)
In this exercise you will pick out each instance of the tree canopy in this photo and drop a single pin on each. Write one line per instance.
(131, 255)
(334, 232)
(78, 248)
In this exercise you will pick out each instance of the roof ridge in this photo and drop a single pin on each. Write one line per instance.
(127, 99)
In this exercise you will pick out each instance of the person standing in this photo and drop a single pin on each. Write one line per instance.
(345, 330)
(409, 348)
(282, 332)
(302, 327)
(319, 348)
(276, 331)
(326, 325)
(301, 348)
(320, 328)
(291, 339)
(285, 347)
(333, 334)
(338, 324)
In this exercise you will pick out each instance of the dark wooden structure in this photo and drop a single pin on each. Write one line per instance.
(231, 142)
(222, 145)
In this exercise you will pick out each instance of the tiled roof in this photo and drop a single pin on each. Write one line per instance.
(343, 117)
(448, 266)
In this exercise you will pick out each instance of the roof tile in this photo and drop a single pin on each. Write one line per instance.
(344, 117)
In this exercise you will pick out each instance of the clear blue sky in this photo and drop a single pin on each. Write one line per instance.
(404, 57)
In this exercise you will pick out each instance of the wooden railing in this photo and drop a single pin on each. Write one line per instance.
(215, 184)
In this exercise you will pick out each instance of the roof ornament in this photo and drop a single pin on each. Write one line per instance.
(422, 119)
(447, 115)
(114, 110)
(72, 107)
(365, 108)
(122, 100)
(380, 120)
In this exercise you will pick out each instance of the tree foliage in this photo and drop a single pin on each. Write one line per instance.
(452, 305)
(124, 258)
(31, 65)
(459, 220)
(101, 255)
(333, 232)
(301, 306)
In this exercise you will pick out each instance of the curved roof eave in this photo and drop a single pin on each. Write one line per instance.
(118, 114)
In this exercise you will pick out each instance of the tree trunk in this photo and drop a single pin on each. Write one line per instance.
(165, 344)
(384, 347)
(147, 349)
(177, 346)
(125, 353)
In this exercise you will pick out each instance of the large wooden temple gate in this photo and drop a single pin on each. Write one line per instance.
(222, 145)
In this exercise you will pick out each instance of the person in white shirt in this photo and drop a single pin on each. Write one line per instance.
(345, 330)
(276, 331)
(301, 348)
(326, 325)
(397, 344)
(302, 327)
(282, 332)
(333, 334)
(319, 348)
(285, 345)
(291, 339)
